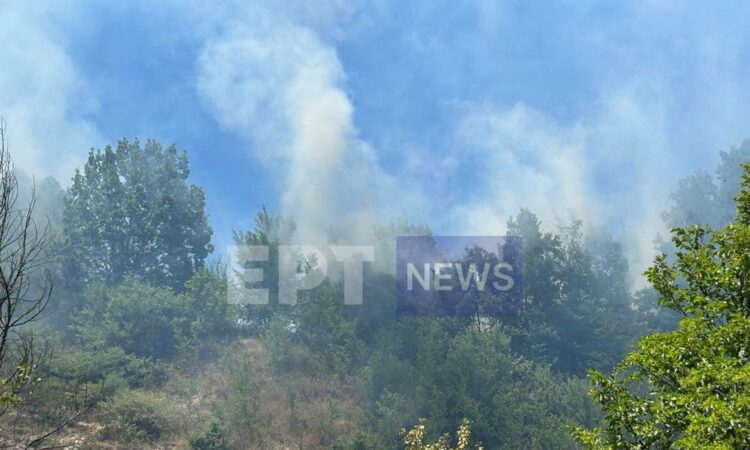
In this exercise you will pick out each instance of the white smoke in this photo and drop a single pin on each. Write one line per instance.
(270, 72)
(525, 160)
(42, 96)
(320, 116)
(608, 170)
(279, 85)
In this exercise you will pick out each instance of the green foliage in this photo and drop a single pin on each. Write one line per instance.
(577, 308)
(153, 322)
(138, 416)
(511, 402)
(12, 386)
(326, 330)
(689, 388)
(709, 200)
(447, 370)
(276, 337)
(211, 439)
(142, 320)
(93, 366)
(389, 372)
(360, 441)
(392, 412)
(136, 237)
(237, 407)
(130, 212)
(415, 439)
(206, 307)
(270, 230)
(48, 197)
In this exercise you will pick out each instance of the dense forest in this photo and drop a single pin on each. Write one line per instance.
(117, 332)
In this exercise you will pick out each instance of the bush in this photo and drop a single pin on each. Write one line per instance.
(211, 439)
(360, 441)
(238, 402)
(94, 366)
(143, 320)
(326, 331)
(138, 416)
(276, 337)
(107, 372)
(206, 303)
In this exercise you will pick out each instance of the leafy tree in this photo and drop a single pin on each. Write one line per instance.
(130, 212)
(688, 388)
(577, 308)
(696, 200)
(709, 200)
(729, 175)
(114, 367)
(276, 336)
(206, 307)
(48, 199)
(325, 329)
(377, 314)
(270, 230)
(392, 412)
(511, 402)
(446, 370)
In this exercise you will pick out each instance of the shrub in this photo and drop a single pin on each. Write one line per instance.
(138, 416)
(94, 366)
(238, 401)
(277, 337)
(143, 320)
(211, 439)
(360, 441)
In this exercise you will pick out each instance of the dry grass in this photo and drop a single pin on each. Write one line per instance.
(295, 409)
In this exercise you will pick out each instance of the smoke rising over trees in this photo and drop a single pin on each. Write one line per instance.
(147, 324)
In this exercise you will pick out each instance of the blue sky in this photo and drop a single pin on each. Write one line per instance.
(450, 113)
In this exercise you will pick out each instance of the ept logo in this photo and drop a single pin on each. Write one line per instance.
(253, 272)
(459, 275)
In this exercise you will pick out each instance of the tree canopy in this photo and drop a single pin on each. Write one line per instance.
(131, 212)
(688, 388)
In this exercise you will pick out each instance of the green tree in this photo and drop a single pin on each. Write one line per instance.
(577, 308)
(688, 388)
(323, 326)
(511, 402)
(206, 305)
(143, 320)
(211, 439)
(271, 230)
(238, 403)
(130, 212)
(705, 199)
